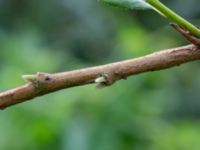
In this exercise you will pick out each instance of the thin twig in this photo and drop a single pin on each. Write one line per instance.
(191, 38)
(43, 83)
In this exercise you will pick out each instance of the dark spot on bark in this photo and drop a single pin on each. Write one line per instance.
(47, 78)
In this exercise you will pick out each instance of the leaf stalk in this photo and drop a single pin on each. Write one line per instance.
(172, 16)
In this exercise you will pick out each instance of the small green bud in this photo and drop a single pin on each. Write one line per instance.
(100, 80)
(28, 78)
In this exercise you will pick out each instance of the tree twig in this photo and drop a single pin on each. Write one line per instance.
(191, 38)
(44, 83)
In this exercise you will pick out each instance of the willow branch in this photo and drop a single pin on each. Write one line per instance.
(44, 83)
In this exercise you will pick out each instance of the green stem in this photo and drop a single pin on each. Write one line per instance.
(172, 16)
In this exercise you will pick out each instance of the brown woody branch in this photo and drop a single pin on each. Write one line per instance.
(44, 83)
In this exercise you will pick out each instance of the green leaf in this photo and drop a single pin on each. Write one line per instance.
(129, 4)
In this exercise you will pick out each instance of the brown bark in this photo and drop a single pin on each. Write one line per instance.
(44, 83)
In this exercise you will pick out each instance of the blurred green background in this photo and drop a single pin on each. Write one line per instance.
(152, 111)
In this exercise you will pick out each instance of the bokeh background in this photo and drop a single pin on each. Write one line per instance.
(152, 111)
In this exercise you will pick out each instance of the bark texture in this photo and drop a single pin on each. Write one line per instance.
(44, 83)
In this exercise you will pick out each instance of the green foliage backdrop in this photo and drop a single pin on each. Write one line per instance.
(152, 111)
